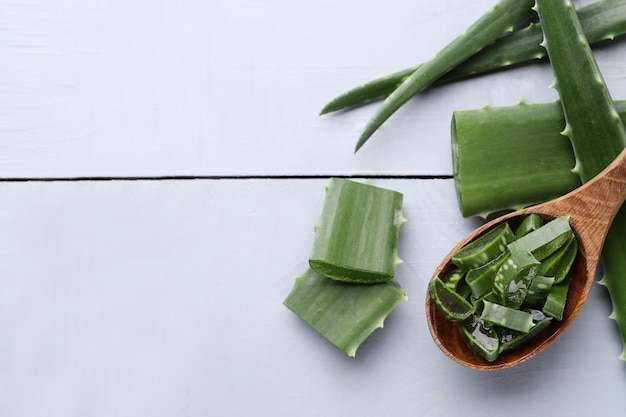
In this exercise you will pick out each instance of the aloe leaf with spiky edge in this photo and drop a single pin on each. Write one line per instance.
(590, 115)
(499, 19)
(601, 20)
(344, 314)
(593, 125)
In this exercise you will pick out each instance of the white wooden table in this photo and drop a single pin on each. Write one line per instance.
(162, 168)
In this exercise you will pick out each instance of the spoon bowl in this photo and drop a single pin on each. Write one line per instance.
(591, 209)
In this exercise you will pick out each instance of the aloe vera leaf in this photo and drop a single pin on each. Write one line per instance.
(344, 314)
(356, 239)
(499, 19)
(590, 114)
(601, 20)
(523, 142)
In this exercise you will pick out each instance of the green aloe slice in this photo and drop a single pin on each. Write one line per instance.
(510, 318)
(484, 249)
(453, 306)
(356, 239)
(510, 339)
(481, 338)
(547, 239)
(344, 314)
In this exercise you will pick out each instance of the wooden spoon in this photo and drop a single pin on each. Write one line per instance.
(591, 209)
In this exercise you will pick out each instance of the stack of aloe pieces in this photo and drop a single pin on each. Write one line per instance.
(349, 288)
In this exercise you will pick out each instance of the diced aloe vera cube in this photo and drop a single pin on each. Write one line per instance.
(531, 223)
(538, 291)
(344, 314)
(560, 262)
(510, 318)
(448, 302)
(555, 303)
(510, 339)
(480, 280)
(356, 239)
(487, 247)
(547, 239)
(512, 281)
(481, 338)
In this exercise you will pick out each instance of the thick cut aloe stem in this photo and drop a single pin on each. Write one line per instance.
(509, 157)
(601, 20)
(501, 18)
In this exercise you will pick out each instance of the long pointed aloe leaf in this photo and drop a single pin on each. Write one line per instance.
(601, 20)
(344, 314)
(590, 115)
(501, 18)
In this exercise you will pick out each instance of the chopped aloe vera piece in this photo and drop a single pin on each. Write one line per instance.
(487, 247)
(510, 318)
(538, 291)
(510, 339)
(455, 280)
(481, 338)
(547, 239)
(478, 302)
(356, 239)
(531, 223)
(555, 303)
(560, 262)
(345, 314)
(512, 281)
(448, 302)
(480, 280)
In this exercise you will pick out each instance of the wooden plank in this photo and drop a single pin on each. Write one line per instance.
(164, 298)
(231, 88)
